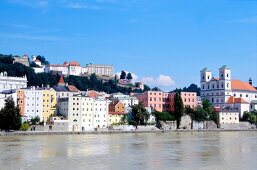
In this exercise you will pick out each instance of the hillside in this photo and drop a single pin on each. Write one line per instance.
(82, 83)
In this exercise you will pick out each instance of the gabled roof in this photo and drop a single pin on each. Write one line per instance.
(72, 88)
(233, 100)
(61, 80)
(239, 85)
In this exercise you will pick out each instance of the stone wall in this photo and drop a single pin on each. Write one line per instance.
(185, 122)
(168, 125)
(239, 126)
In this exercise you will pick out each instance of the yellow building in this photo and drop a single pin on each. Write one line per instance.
(115, 117)
(49, 103)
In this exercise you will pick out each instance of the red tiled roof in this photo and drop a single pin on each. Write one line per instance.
(72, 88)
(239, 85)
(233, 100)
(74, 63)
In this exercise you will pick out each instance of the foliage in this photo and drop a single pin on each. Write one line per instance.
(204, 113)
(178, 108)
(34, 120)
(33, 65)
(129, 76)
(10, 116)
(123, 75)
(139, 115)
(146, 88)
(156, 89)
(163, 116)
(251, 117)
(24, 126)
(191, 88)
(43, 60)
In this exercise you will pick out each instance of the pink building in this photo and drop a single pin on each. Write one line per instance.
(163, 101)
(189, 100)
(152, 99)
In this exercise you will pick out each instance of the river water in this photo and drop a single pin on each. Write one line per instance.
(175, 150)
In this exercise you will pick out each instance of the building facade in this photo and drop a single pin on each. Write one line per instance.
(99, 69)
(8, 83)
(84, 113)
(219, 90)
(41, 102)
(163, 101)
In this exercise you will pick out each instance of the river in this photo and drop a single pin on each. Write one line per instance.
(174, 150)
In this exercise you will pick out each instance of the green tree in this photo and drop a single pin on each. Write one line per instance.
(123, 75)
(129, 76)
(178, 108)
(42, 59)
(146, 88)
(35, 120)
(156, 89)
(10, 116)
(140, 115)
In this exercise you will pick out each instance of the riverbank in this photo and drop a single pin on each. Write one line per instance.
(22, 133)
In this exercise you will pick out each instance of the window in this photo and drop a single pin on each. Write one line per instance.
(241, 95)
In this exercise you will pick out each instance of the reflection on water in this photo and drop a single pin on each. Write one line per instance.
(176, 150)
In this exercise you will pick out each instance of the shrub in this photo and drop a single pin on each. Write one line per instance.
(24, 127)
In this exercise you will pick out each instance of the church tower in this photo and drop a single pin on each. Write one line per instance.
(225, 77)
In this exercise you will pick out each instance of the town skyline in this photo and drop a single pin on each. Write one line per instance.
(168, 41)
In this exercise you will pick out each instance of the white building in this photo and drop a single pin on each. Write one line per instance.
(33, 103)
(228, 117)
(8, 83)
(99, 69)
(219, 90)
(84, 113)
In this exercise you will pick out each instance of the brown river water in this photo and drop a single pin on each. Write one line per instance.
(174, 150)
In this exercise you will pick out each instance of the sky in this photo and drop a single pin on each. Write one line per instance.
(164, 43)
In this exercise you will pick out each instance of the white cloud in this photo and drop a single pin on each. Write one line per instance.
(83, 6)
(160, 81)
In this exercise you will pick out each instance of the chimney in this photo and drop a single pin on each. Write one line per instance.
(250, 81)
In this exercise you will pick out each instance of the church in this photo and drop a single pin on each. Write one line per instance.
(224, 92)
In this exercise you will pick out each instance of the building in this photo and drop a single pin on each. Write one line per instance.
(23, 60)
(219, 90)
(8, 83)
(84, 113)
(189, 100)
(115, 117)
(228, 117)
(63, 90)
(127, 100)
(152, 99)
(163, 101)
(41, 102)
(99, 69)
(74, 68)
(116, 106)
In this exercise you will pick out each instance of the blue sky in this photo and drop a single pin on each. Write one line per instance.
(164, 42)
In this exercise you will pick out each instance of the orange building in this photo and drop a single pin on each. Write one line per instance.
(21, 101)
(116, 106)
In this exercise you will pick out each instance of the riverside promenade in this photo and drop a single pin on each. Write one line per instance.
(22, 133)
